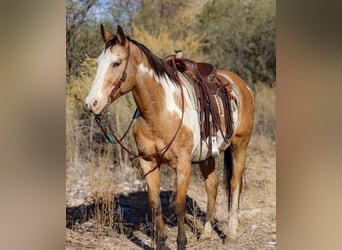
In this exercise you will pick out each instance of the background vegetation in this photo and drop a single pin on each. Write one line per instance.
(235, 35)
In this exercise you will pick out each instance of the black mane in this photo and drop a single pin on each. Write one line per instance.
(157, 64)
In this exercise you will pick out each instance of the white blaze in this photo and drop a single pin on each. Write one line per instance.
(104, 61)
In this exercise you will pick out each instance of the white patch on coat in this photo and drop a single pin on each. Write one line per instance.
(144, 70)
(233, 220)
(190, 119)
(170, 88)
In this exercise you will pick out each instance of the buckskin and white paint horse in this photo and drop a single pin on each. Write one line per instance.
(167, 128)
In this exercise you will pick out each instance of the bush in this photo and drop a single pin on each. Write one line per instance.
(265, 112)
(241, 37)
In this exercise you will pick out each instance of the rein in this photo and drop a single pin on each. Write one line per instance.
(104, 121)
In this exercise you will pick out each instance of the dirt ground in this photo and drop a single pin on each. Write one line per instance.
(108, 211)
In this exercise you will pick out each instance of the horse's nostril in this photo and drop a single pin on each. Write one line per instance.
(95, 103)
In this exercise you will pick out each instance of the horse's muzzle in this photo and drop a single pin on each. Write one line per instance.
(92, 104)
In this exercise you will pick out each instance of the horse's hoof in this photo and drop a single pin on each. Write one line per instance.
(161, 245)
(232, 240)
(204, 237)
(181, 244)
(207, 231)
(181, 241)
(181, 247)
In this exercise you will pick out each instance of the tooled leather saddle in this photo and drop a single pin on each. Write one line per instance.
(213, 94)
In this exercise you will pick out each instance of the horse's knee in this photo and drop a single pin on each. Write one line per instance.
(155, 208)
(180, 209)
(212, 185)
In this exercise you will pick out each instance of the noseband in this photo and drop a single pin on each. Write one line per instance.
(103, 119)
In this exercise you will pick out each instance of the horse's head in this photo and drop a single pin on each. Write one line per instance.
(110, 80)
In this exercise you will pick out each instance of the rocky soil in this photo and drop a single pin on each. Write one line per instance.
(106, 207)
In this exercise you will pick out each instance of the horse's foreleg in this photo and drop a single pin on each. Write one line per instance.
(211, 183)
(151, 172)
(238, 161)
(183, 171)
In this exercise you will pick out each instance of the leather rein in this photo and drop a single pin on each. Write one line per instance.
(103, 119)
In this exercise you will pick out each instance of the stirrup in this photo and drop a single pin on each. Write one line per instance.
(214, 148)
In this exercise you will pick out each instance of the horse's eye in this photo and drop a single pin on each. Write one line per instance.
(116, 64)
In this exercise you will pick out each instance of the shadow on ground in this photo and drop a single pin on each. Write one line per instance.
(131, 213)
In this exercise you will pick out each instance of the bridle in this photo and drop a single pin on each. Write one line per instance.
(121, 80)
(104, 118)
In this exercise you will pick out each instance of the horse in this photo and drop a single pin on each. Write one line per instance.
(167, 130)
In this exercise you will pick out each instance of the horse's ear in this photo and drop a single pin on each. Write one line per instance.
(106, 36)
(121, 35)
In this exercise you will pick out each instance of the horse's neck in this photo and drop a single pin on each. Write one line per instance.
(154, 95)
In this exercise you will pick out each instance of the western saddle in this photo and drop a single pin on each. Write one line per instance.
(213, 96)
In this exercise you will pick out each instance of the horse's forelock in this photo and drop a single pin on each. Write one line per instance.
(111, 42)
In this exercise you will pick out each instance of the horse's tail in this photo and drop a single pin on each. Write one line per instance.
(228, 172)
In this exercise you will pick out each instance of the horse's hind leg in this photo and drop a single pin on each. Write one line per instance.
(151, 172)
(183, 171)
(238, 154)
(208, 171)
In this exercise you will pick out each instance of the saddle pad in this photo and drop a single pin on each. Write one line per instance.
(235, 99)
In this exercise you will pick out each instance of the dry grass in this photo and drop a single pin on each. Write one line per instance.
(265, 112)
(111, 227)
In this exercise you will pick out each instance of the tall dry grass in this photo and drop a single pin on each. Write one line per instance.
(264, 131)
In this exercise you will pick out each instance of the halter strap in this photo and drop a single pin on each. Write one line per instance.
(121, 80)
